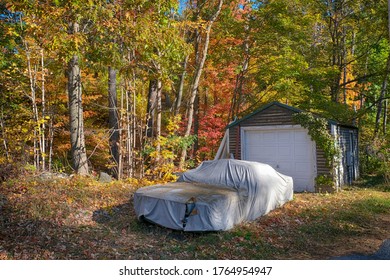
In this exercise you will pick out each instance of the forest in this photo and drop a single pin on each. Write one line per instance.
(140, 88)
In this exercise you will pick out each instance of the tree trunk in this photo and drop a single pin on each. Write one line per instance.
(197, 75)
(76, 120)
(151, 107)
(384, 84)
(344, 66)
(335, 14)
(51, 141)
(385, 117)
(121, 147)
(129, 135)
(196, 124)
(158, 119)
(240, 80)
(32, 74)
(381, 98)
(113, 118)
(43, 131)
(179, 96)
(2, 127)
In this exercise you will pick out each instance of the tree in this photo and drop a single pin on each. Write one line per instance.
(113, 117)
(382, 102)
(198, 72)
(76, 119)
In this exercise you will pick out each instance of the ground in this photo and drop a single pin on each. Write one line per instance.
(78, 218)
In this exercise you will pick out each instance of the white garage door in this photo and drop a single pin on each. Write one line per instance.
(287, 149)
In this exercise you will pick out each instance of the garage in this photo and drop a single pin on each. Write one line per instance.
(271, 135)
(287, 149)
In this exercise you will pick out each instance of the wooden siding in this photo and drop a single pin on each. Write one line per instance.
(274, 115)
(348, 143)
(322, 166)
(235, 142)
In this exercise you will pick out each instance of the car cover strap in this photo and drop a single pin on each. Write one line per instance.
(190, 206)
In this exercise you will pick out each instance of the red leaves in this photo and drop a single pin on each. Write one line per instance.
(211, 130)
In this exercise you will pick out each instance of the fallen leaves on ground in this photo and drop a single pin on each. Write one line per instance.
(80, 218)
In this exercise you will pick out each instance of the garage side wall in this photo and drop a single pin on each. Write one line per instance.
(349, 162)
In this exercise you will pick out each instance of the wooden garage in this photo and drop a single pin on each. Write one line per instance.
(272, 135)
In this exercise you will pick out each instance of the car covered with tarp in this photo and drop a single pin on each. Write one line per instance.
(215, 196)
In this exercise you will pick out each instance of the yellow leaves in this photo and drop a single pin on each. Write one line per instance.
(69, 200)
(128, 15)
(3, 160)
(24, 130)
(163, 155)
(163, 151)
(167, 154)
(199, 24)
(173, 124)
(11, 32)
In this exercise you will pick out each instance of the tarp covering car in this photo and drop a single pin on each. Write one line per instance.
(215, 196)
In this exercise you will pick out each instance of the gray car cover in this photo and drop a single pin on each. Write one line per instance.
(215, 196)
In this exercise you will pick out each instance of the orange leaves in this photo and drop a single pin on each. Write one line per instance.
(352, 89)
(61, 148)
(89, 114)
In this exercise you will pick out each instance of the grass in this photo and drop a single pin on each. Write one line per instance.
(80, 218)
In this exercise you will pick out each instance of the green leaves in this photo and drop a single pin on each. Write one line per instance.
(319, 133)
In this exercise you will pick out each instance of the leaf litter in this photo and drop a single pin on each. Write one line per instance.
(81, 218)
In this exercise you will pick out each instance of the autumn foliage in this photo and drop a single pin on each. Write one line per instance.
(205, 62)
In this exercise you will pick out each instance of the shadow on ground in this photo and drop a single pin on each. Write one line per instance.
(121, 216)
(382, 254)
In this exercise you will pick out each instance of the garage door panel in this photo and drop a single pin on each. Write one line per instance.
(252, 138)
(261, 154)
(285, 152)
(289, 151)
(269, 137)
(262, 158)
(301, 137)
(268, 160)
(302, 167)
(301, 154)
(300, 185)
(284, 167)
(284, 138)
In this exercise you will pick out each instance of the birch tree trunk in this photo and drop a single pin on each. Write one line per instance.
(43, 131)
(158, 119)
(113, 118)
(197, 75)
(2, 127)
(76, 120)
(381, 100)
(32, 74)
(179, 96)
